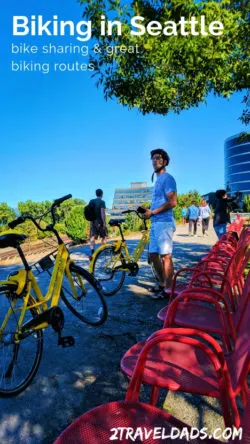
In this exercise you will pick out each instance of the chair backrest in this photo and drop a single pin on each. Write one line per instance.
(245, 236)
(231, 237)
(183, 362)
(235, 269)
(242, 345)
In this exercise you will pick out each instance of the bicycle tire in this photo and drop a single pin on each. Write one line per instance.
(93, 289)
(107, 251)
(38, 334)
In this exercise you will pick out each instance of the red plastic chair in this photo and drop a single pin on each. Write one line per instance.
(237, 225)
(190, 272)
(218, 260)
(94, 426)
(245, 234)
(230, 237)
(230, 284)
(188, 310)
(176, 360)
(223, 260)
(201, 309)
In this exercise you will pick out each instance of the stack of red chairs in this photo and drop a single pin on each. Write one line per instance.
(237, 225)
(218, 260)
(220, 307)
(178, 359)
(204, 348)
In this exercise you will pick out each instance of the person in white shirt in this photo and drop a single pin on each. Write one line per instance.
(204, 214)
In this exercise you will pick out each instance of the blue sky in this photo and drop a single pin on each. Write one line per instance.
(59, 135)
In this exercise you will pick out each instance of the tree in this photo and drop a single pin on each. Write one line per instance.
(171, 72)
(76, 224)
(7, 214)
(185, 200)
(247, 203)
(35, 209)
(66, 207)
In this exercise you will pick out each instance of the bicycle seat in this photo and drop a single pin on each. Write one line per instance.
(11, 240)
(116, 222)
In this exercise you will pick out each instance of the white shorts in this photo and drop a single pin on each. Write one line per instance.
(161, 237)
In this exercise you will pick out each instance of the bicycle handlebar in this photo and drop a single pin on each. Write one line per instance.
(139, 211)
(50, 227)
(16, 222)
(61, 200)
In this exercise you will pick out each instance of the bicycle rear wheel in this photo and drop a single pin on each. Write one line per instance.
(111, 280)
(89, 306)
(19, 358)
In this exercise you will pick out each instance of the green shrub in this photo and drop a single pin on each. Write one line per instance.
(76, 225)
(246, 207)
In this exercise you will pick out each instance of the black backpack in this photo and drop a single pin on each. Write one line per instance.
(89, 211)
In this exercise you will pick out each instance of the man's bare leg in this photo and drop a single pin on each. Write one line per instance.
(168, 269)
(155, 258)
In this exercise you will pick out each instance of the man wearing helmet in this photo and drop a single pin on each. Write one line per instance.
(162, 223)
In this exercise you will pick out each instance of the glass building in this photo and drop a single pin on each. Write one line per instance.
(131, 198)
(237, 164)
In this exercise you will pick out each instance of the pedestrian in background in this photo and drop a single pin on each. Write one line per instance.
(204, 214)
(98, 225)
(183, 214)
(222, 212)
(192, 214)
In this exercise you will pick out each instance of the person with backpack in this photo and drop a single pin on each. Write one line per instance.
(192, 214)
(222, 212)
(95, 213)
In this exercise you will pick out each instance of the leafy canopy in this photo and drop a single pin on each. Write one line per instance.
(172, 73)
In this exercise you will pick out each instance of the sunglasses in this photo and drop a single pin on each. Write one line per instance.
(157, 157)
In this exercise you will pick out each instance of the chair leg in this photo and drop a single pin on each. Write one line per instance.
(243, 393)
(230, 412)
(154, 395)
(227, 343)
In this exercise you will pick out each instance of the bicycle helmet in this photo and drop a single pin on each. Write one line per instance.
(165, 157)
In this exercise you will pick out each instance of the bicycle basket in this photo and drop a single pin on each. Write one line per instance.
(45, 263)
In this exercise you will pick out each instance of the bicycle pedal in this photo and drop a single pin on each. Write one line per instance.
(66, 341)
(133, 272)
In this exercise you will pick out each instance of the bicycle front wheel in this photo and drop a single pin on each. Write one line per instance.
(106, 271)
(19, 356)
(88, 304)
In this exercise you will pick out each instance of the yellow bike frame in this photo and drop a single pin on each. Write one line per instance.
(26, 281)
(121, 248)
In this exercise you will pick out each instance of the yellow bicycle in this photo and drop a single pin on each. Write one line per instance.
(112, 261)
(25, 311)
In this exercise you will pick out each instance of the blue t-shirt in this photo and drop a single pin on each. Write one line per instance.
(164, 184)
(184, 212)
(193, 212)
